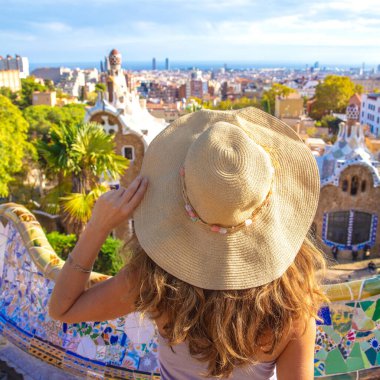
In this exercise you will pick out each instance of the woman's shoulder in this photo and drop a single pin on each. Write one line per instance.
(299, 333)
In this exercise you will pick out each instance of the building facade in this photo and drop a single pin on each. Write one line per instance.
(122, 114)
(20, 64)
(289, 107)
(349, 207)
(10, 79)
(47, 98)
(370, 112)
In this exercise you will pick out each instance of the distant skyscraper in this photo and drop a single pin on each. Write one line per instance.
(378, 69)
(167, 64)
(362, 70)
(316, 65)
(154, 66)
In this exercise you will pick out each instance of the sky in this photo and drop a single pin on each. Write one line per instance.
(328, 31)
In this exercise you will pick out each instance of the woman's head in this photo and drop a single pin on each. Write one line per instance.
(231, 198)
(227, 328)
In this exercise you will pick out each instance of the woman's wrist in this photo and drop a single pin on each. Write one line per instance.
(97, 229)
(89, 245)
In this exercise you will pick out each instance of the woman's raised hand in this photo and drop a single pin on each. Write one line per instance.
(115, 206)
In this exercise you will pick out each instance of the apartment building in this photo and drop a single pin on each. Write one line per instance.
(370, 112)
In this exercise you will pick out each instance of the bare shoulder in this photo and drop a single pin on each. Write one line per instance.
(294, 355)
(297, 356)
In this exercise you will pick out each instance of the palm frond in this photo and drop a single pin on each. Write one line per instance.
(79, 205)
(51, 201)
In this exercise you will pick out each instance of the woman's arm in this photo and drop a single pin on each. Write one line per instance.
(296, 362)
(70, 301)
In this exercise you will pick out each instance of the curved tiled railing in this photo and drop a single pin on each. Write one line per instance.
(348, 339)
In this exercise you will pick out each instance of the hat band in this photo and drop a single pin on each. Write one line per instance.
(215, 227)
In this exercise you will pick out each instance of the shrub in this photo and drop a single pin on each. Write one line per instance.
(108, 261)
(61, 243)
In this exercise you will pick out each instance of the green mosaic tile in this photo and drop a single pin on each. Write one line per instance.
(378, 358)
(372, 286)
(332, 334)
(355, 360)
(354, 364)
(371, 310)
(371, 355)
(321, 354)
(366, 304)
(317, 373)
(344, 376)
(377, 334)
(335, 362)
(366, 362)
(376, 314)
(351, 304)
(364, 346)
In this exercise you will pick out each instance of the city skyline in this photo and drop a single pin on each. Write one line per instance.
(339, 32)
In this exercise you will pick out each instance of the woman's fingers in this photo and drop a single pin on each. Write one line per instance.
(131, 189)
(131, 202)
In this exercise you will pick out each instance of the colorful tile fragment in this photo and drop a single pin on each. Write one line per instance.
(348, 335)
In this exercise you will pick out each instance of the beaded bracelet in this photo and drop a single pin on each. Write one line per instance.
(77, 266)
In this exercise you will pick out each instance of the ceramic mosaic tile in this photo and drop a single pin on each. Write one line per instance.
(347, 341)
(23, 305)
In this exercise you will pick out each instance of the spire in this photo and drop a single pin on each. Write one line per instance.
(353, 114)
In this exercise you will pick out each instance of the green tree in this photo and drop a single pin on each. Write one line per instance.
(42, 118)
(91, 98)
(333, 95)
(81, 154)
(268, 100)
(28, 86)
(331, 122)
(8, 93)
(235, 104)
(100, 87)
(13, 142)
(49, 84)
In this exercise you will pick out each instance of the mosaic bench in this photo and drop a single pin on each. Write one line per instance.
(347, 343)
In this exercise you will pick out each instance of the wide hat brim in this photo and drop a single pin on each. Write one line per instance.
(248, 257)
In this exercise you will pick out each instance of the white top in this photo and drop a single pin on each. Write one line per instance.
(177, 364)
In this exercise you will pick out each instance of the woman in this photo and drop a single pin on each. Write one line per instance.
(222, 262)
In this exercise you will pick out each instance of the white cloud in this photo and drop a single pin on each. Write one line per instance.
(212, 28)
(54, 26)
(350, 5)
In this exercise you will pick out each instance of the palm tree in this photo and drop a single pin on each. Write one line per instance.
(80, 155)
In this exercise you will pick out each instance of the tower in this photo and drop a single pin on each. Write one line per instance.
(116, 83)
(123, 114)
(115, 61)
(167, 67)
(154, 67)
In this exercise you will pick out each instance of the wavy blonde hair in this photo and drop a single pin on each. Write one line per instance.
(225, 328)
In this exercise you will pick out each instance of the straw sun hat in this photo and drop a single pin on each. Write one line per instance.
(231, 197)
